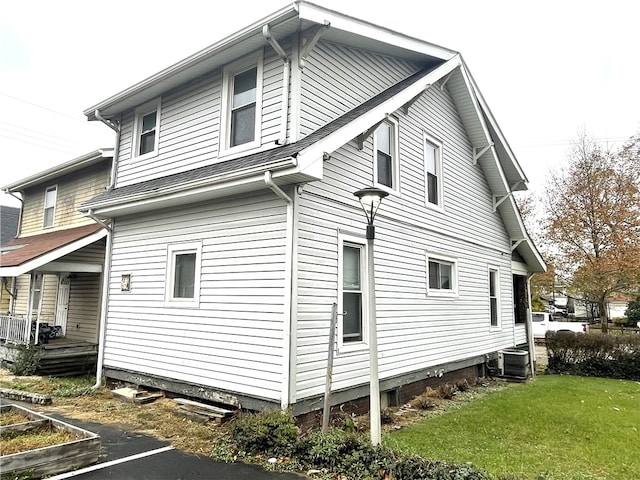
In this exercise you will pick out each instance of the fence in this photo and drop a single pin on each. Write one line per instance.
(14, 329)
(615, 329)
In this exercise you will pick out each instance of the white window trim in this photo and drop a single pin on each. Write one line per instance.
(436, 257)
(44, 206)
(395, 157)
(140, 112)
(228, 73)
(429, 139)
(362, 345)
(496, 269)
(172, 251)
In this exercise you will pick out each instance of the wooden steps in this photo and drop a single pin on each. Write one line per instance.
(202, 412)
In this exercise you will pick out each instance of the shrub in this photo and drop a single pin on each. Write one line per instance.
(26, 361)
(273, 433)
(594, 355)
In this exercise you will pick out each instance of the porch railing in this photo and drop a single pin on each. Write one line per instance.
(15, 329)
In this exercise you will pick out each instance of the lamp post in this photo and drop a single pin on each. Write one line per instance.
(370, 199)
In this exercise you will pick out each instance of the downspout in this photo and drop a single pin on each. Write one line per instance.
(286, 72)
(530, 341)
(116, 152)
(105, 296)
(285, 393)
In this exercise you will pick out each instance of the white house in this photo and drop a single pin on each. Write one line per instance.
(235, 227)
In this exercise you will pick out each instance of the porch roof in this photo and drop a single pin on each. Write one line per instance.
(24, 254)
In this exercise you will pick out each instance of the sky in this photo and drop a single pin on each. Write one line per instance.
(548, 69)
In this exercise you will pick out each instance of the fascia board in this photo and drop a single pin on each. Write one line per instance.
(181, 194)
(192, 61)
(316, 14)
(522, 233)
(343, 135)
(59, 170)
(52, 256)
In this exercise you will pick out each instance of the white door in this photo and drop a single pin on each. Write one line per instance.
(62, 305)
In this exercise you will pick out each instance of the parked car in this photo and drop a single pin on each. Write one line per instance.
(553, 310)
(542, 323)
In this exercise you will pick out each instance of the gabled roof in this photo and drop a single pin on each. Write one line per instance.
(24, 254)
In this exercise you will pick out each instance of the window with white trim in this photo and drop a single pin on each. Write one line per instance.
(386, 172)
(352, 288)
(433, 171)
(49, 214)
(183, 274)
(146, 130)
(442, 276)
(241, 104)
(494, 297)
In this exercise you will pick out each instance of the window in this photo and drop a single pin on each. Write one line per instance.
(385, 143)
(146, 128)
(494, 297)
(50, 196)
(433, 171)
(242, 92)
(351, 295)
(36, 294)
(442, 276)
(183, 274)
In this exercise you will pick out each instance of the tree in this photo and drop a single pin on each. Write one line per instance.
(633, 311)
(592, 210)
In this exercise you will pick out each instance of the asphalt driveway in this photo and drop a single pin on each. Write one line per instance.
(127, 455)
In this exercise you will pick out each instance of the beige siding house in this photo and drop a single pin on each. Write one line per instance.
(235, 229)
(53, 269)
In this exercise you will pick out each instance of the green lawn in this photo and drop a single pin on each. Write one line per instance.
(556, 427)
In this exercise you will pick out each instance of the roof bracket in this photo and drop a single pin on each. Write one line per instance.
(516, 243)
(497, 201)
(266, 32)
(479, 151)
(407, 106)
(366, 134)
(444, 81)
(517, 184)
(315, 34)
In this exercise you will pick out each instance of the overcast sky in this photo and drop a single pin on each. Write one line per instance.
(547, 68)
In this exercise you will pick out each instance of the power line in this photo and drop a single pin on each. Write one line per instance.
(42, 107)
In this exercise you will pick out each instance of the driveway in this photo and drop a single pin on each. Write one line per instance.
(126, 455)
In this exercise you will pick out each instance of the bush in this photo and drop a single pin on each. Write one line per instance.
(26, 361)
(594, 355)
(348, 455)
(273, 433)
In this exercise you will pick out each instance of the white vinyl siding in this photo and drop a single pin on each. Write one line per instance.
(415, 330)
(234, 340)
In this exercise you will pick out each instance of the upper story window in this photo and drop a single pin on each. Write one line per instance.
(386, 158)
(183, 274)
(146, 129)
(433, 171)
(50, 196)
(494, 297)
(442, 276)
(241, 104)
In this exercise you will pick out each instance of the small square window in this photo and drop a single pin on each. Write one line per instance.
(433, 171)
(442, 276)
(146, 129)
(386, 163)
(50, 197)
(183, 274)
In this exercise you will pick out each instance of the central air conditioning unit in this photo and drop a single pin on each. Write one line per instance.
(513, 363)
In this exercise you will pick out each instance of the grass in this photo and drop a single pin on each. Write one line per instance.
(46, 436)
(556, 427)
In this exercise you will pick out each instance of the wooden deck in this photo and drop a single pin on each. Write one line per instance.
(60, 357)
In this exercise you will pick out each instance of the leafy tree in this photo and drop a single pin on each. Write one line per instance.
(592, 209)
(633, 311)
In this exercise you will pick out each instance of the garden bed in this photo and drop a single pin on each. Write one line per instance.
(39, 445)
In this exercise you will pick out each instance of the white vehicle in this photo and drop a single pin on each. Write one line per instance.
(542, 323)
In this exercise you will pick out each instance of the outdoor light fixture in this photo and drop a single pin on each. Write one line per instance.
(370, 199)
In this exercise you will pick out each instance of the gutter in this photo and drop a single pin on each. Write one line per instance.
(289, 293)
(106, 273)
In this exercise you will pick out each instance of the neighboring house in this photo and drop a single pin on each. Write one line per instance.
(9, 217)
(53, 269)
(236, 228)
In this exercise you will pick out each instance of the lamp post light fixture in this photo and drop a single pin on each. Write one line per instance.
(370, 199)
